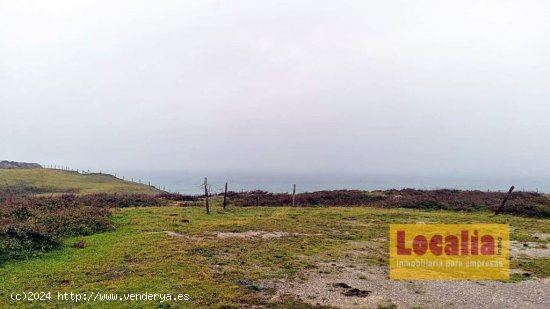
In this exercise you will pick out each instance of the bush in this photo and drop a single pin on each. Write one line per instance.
(32, 224)
(21, 242)
(520, 203)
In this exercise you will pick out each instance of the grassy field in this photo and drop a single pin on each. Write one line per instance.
(182, 250)
(42, 181)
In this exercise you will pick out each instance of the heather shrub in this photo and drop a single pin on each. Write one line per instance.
(31, 224)
(520, 203)
(24, 241)
(176, 197)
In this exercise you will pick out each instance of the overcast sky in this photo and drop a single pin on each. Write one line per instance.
(406, 87)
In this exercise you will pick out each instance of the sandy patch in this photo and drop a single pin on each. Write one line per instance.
(224, 235)
(530, 249)
(176, 234)
(353, 283)
(543, 236)
(259, 234)
(330, 284)
(171, 233)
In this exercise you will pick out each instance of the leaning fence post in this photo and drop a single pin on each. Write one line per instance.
(499, 209)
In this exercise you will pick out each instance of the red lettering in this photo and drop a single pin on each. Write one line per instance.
(487, 245)
(464, 242)
(401, 247)
(475, 247)
(420, 245)
(451, 245)
(436, 245)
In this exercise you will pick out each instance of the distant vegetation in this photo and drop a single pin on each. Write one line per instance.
(521, 203)
(18, 165)
(42, 181)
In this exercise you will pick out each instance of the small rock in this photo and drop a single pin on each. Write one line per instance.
(341, 285)
(252, 285)
(356, 293)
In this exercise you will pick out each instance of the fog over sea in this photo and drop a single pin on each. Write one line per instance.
(191, 182)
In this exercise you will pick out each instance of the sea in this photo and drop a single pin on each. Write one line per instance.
(191, 182)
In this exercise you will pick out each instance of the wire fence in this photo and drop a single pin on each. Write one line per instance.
(102, 173)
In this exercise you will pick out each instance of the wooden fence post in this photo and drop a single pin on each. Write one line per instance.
(499, 209)
(294, 196)
(225, 196)
(206, 196)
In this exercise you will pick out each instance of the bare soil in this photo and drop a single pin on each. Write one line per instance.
(328, 286)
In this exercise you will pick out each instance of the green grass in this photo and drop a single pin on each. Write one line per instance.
(539, 267)
(55, 181)
(135, 258)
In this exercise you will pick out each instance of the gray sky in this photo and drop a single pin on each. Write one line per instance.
(405, 87)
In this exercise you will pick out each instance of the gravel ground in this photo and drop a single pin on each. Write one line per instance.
(331, 281)
(322, 286)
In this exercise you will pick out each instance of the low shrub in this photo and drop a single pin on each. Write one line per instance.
(17, 242)
(530, 204)
(30, 224)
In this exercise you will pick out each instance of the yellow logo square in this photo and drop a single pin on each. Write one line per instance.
(449, 251)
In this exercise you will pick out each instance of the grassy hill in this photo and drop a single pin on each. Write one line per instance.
(43, 181)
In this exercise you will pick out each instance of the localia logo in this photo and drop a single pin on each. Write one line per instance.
(449, 251)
